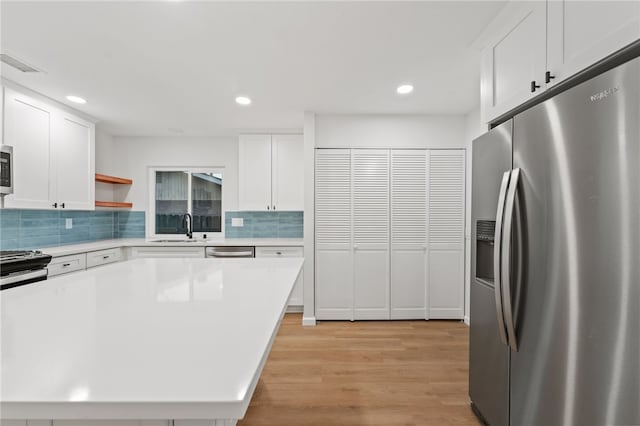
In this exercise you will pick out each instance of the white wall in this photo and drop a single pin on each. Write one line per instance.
(374, 131)
(474, 128)
(390, 131)
(132, 157)
(104, 164)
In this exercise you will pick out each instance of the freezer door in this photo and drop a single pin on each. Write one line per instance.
(489, 356)
(577, 295)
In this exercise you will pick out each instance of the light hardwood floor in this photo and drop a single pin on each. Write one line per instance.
(365, 373)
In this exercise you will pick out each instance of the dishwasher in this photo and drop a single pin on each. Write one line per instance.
(230, 252)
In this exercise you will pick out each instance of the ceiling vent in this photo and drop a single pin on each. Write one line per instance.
(11, 61)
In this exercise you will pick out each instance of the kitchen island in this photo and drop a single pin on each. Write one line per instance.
(171, 340)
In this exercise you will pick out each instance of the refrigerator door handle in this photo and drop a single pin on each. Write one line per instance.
(497, 253)
(506, 259)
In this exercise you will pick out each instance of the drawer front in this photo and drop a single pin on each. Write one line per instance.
(166, 252)
(279, 252)
(64, 264)
(103, 257)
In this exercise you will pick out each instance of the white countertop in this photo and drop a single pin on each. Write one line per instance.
(142, 339)
(138, 242)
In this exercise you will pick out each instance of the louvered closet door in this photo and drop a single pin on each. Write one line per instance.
(370, 176)
(334, 252)
(409, 234)
(446, 233)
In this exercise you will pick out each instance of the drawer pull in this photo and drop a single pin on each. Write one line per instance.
(278, 253)
(105, 257)
(64, 265)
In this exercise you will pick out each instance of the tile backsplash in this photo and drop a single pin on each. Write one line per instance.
(258, 224)
(30, 229)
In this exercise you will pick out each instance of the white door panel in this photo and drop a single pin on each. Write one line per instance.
(288, 172)
(334, 284)
(409, 234)
(254, 172)
(446, 284)
(370, 195)
(408, 284)
(371, 282)
(446, 233)
(334, 249)
(513, 59)
(74, 154)
(28, 128)
(581, 33)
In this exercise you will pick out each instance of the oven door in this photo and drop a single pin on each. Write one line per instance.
(21, 278)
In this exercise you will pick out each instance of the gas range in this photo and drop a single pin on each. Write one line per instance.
(20, 267)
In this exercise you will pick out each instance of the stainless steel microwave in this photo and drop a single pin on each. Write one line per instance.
(6, 169)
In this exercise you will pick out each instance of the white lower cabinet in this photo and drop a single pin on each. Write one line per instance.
(165, 252)
(389, 234)
(109, 423)
(295, 300)
(65, 264)
(104, 257)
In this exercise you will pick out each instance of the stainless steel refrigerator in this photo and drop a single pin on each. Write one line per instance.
(555, 275)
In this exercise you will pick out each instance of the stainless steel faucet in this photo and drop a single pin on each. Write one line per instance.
(188, 224)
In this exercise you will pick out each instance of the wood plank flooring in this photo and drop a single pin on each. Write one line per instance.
(365, 373)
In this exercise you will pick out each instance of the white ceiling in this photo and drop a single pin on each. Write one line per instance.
(150, 66)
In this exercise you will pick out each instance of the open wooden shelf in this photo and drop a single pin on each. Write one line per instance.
(113, 204)
(113, 179)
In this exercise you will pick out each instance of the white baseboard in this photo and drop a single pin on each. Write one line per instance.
(295, 309)
(467, 320)
(309, 321)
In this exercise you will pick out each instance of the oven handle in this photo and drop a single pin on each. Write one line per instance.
(16, 278)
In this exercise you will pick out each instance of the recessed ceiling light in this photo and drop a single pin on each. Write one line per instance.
(243, 100)
(76, 99)
(405, 89)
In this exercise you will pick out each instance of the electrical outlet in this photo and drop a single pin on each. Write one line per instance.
(237, 221)
(68, 223)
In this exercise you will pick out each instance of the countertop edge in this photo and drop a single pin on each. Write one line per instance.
(70, 249)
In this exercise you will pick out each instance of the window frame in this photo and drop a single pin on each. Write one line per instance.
(151, 210)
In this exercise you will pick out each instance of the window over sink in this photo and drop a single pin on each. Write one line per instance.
(175, 192)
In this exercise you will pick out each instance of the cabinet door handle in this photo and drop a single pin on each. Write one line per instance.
(62, 205)
(268, 207)
(534, 86)
(274, 206)
(548, 77)
(55, 205)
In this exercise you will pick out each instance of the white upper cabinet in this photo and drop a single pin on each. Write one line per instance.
(28, 128)
(53, 155)
(271, 174)
(531, 46)
(254, 172)
(287, 172)
(581, 33)
(514, 60)
(75, 159)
